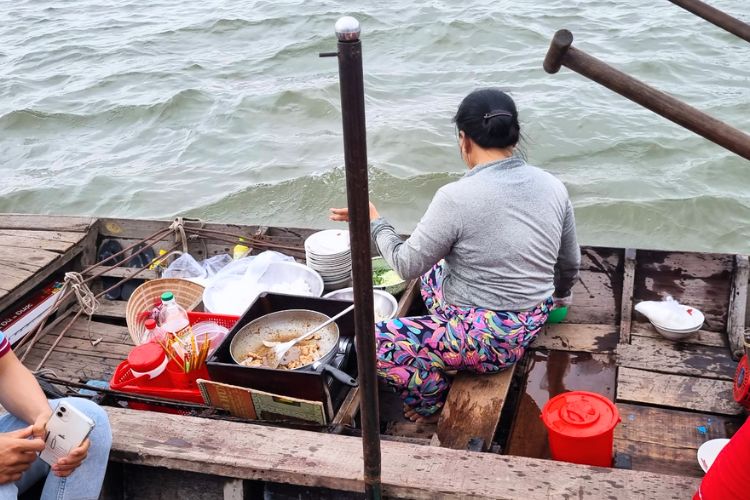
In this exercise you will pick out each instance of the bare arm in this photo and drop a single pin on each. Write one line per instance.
(20, 393)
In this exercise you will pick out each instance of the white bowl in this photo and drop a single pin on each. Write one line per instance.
(708, 452)
(675, 334)
(384, 303)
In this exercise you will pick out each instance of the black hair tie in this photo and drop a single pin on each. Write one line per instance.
(493, 114)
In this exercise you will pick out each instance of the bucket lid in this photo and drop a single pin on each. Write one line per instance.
(146, 357)
(742, 381)
(580, 414)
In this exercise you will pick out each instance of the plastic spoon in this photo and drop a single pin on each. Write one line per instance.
(279, 350)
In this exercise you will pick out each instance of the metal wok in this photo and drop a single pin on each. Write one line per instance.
(282, 326)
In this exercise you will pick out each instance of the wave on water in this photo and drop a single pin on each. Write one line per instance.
(225, 111)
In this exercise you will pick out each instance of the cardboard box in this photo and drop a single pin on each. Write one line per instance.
(23, 317)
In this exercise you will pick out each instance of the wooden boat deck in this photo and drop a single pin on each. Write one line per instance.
(32, 248)
(672, 396)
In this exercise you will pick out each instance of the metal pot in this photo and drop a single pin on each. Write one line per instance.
(290, 323)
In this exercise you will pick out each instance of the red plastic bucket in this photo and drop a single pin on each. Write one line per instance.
(581, 427)
(742, 383)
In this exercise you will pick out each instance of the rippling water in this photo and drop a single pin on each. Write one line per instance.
(223, 110)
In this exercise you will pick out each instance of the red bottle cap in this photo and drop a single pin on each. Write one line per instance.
(150, 324)
(146, 357)
(580, 414)
(742, 383)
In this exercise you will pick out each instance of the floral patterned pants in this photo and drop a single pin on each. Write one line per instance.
(415, 353)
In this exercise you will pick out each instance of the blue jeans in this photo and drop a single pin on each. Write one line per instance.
(85, 483)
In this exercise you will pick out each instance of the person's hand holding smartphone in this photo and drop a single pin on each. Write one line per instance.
(18, 450)
(66, 440)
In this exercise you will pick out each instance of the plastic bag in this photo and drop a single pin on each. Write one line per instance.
(237, 285)
(186, 267)
(214, 264)
(668, 313)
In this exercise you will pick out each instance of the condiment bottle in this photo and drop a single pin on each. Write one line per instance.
(172, 317)
(240, 250)
(153, 333)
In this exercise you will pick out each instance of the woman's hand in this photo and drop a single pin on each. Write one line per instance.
(342, 214)
(18, 450)
(39, 429)
(66, 465)
(562, 301)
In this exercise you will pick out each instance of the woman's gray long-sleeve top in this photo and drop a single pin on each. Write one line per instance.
(506, 230)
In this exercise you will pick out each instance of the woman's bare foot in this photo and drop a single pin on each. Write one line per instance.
(412, 415)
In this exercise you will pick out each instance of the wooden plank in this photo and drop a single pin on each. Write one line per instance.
(576, 337)
(701, 280)
(42, 274)
(421, 431)
(46, 222)
(594, 300)
(666, 441)
(75, 358)
(737, 306)
(666, 356)
(349, 408)
(30, 259)
(248, 451)
(475, 398)
(407, 298)
(11, 277)
(626, 307)
(111, 309)
(676, 391)
(701, 337)
(122, 272)
(53, 241)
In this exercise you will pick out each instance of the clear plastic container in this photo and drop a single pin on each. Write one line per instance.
(172, 317)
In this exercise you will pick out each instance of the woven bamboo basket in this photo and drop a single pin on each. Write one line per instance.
(187, 294)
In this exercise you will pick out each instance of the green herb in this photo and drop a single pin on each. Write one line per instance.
(385, 277)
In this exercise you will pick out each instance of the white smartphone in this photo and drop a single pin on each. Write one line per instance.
(66, 429)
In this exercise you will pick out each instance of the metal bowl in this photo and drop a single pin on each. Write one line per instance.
(290, 323)
(379, 263)
(383, 302)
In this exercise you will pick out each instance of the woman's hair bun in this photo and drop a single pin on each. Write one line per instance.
(489, 117)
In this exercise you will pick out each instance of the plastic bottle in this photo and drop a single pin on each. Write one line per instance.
(172, 317)
(240, 250)
(153, 333)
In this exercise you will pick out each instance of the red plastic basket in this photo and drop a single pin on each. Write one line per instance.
(173, 383)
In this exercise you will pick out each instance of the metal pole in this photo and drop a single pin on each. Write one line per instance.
(716, 16)
(355, 160)
(562, 54)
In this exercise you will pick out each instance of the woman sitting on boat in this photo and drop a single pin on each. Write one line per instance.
(495, 250)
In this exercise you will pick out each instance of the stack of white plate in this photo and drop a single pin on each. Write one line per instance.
(328, 252)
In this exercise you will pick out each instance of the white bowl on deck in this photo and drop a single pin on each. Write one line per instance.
(672, 333)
